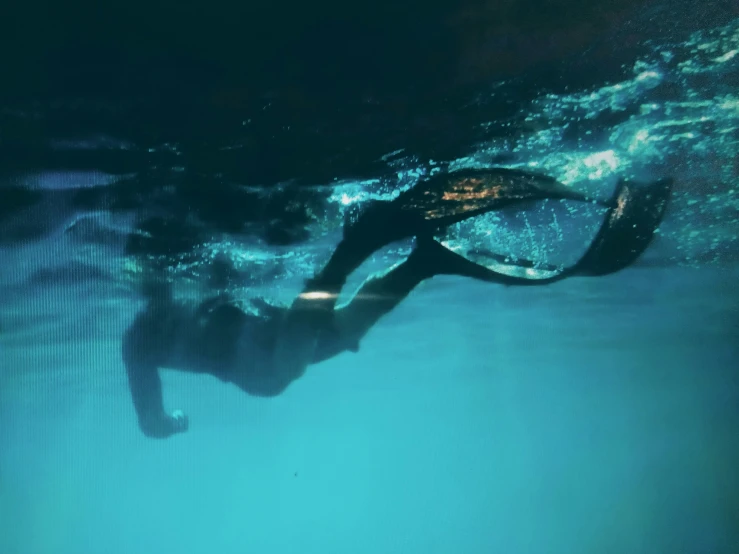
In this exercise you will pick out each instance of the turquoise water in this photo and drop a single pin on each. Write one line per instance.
(584, 417)
(593, 415)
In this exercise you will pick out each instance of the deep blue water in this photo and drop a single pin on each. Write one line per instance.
(593, 415)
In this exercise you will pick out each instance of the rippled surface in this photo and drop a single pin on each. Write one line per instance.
(676, 115)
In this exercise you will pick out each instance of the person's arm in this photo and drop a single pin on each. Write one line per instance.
(142, 346)
(146, 392)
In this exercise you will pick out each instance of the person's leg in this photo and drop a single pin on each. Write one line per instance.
(381, 293)
(314, 330)
(378, 296)
(310, 316)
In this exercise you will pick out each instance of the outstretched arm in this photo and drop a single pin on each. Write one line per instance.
(142, 349)
(146, 392)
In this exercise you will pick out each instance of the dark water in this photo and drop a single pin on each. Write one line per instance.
(224, 146)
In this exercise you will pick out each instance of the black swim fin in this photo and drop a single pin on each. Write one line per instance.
(625, 234)
(446, 199)
(449, 198)
(628, 228)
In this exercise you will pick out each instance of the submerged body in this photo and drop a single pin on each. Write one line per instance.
(263, 353)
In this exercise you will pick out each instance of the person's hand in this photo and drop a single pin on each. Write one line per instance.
(179, 422)
(165, 425)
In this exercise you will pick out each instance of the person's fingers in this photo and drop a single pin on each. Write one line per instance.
(180, 421)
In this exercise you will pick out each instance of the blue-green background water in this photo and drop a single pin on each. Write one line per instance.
(473, 418)
(594, 415)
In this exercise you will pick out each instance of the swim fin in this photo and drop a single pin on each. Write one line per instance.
(628, 228)
(443, 200)
(625, 234)
(446, 199)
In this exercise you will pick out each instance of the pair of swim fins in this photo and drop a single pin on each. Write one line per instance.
(634, 213)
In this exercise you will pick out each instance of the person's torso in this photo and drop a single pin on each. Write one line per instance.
(220, 339)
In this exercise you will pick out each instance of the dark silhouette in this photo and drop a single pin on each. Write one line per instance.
(264, 352)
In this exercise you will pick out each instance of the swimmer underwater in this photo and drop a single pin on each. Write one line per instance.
(264, 353)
